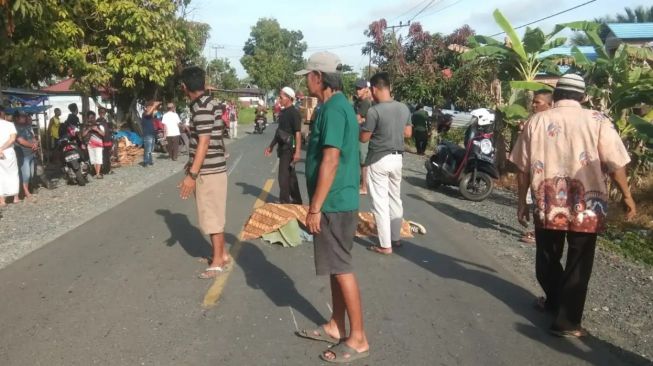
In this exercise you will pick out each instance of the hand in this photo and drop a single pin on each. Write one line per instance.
(630, 208)
(313, 221)
(2, 155)
(186, 187)
(296, 158)
(268, 151)
(523, 215)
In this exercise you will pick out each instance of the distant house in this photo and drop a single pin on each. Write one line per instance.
(636, 34)
(249, 96)
(61, 94)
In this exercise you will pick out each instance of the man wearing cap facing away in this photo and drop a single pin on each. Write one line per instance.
(332, 176)
(288, 140)
(563, 155)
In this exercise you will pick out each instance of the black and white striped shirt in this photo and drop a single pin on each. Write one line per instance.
(206, 120)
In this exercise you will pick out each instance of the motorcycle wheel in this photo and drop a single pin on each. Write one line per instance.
(431, 182)
(80, 178)
(477, 190)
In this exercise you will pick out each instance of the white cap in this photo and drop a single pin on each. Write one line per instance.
(322, 61)
(289, 92)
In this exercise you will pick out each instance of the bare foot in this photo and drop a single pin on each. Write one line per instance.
(380, 250)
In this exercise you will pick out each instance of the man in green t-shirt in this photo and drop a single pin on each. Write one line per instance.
(421, 128)
(332, 177)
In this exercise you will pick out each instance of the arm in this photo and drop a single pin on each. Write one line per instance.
(298, 136)
(25, 143)
(523, 182)
(326, 175)
(152, 108)
(7, 144)
(408, 131)
(187, 186)
(620, 178)
(270, 148)
(365, 136)
(368, 125)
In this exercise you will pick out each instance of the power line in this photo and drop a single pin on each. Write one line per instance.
(548, 17)
(423, 9)
(441, 9)
(332, 47)
(410, 10)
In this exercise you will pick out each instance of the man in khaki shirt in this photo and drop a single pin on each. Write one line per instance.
(564, 155)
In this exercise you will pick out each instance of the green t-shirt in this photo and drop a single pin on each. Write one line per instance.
(420, 121)
(335, 126)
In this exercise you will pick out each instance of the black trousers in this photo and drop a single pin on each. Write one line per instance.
(421, 141)
(173, 147)
(106, 159)
(565, 288)
(288, 185)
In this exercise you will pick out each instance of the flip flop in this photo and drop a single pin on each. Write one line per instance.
(344, 354)
(212, 272)
(576, 333)
(540, 304)
(318, 334)
(377, 249)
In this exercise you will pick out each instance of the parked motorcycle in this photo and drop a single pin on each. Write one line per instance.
(75, 168)
(472, 167)
(260, 123)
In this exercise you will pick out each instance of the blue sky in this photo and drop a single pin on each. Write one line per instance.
(328, 25)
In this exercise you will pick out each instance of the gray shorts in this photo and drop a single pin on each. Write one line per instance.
(363, 148)
(334, 243)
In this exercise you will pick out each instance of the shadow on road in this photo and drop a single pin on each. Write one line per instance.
(263, 275)
(182, 231)
(252, 190)
(519, 300)
(470, 217)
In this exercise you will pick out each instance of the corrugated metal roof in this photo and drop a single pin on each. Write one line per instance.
(632, 30)
(588, 51)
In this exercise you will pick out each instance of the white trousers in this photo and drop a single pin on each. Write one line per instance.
(9, 180)
(233, 127)
(384, 186)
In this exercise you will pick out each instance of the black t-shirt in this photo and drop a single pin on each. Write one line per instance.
(290, 120)
(361, 106)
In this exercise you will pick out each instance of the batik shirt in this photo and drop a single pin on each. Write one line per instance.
(568, 152)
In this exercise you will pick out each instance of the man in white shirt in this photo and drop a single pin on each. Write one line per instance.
(171, 123)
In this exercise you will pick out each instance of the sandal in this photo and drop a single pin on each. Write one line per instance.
(212, 272)
(343, 354)
(576, 333)
(540, 304)
(528, 237)
(318, 334)
(379, 250)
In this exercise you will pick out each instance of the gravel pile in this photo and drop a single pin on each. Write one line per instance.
(619, 307)
(27, 226)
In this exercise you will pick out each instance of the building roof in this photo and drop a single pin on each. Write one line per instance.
(588, 51)
(632, 30)
(62, 86)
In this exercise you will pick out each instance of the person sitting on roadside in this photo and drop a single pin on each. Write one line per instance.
(94, 135)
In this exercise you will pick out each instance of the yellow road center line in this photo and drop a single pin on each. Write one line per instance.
(215, 291)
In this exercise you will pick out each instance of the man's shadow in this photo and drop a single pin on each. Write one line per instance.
(182, 231)
(263, 275)
(519, 300)
(252, 190)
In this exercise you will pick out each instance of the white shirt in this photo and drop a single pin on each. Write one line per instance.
(171, 121)
(6, 130)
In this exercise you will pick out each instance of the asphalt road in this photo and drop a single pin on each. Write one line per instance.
(122, 290)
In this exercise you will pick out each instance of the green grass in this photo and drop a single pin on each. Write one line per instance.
(246, 116)
(636, 245)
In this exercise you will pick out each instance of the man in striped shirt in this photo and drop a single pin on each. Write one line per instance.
(206, 171)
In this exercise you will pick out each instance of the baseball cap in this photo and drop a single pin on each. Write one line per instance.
(362, 83)
(289, 92)
(322, 61)
(571, 82)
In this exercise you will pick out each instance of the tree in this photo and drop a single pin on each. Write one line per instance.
(273, 54)
(222, 75)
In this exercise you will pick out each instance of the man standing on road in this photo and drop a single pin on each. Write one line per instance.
(149, 132)
(206, 171)
(171, 122)
(563, 156)
(386, 126)
(332, 176)
(362, 103)
(289, 140)
(107, 140)
(93, 133)
(421, 129)
(53, 130)
(26, 146)
(9, 180)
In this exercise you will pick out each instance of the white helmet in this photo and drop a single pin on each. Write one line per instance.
(485, 116)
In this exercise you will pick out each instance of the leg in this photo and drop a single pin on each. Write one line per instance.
(364, 170)
(295, 193)
(574, 283)
(175, 148)
(394, 192)
(235, 129)
(285, 158)
(377, 184)
(211, 199)
(548, 269)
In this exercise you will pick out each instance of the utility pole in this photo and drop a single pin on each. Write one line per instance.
(393, 27)
(215, 48)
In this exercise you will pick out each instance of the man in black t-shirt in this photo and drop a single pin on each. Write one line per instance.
(289, 139)
(362, 103)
